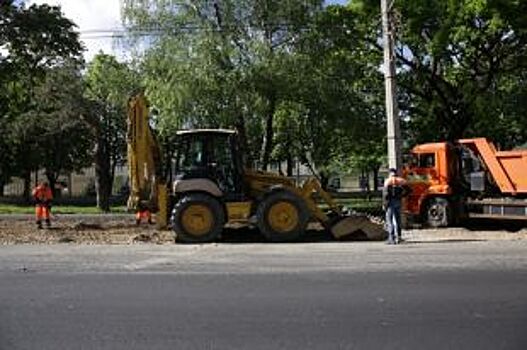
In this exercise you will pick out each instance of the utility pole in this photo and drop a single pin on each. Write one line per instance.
(392, 111)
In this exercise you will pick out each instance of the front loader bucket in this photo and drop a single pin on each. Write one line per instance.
(357, 227)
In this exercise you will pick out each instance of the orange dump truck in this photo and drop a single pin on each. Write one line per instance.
(468, 178)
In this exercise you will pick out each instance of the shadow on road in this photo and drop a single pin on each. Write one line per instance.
(252, 235)
(494, 225)
(435, 241)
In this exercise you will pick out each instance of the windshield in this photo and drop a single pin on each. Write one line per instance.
(190, 155)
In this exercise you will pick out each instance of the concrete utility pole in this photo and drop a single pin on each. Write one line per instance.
(392, 111)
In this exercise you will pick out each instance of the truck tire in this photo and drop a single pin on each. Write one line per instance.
(282, 216)
(438, 212)
(197, 218)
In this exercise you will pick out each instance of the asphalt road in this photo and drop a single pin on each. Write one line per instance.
(453, 295)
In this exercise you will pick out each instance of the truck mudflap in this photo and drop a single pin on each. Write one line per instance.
(358, 227)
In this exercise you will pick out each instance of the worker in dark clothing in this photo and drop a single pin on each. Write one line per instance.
(42, 196)
(394, 190)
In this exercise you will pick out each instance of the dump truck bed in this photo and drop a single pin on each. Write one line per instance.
(508, 168)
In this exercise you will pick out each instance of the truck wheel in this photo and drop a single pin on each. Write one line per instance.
(282, 216)
(197, 218)
(438, 212)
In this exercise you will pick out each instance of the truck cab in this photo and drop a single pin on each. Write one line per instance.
(430, 171)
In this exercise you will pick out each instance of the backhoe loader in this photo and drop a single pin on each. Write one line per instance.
(211, 188)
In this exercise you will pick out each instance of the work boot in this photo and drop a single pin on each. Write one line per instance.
(48, 223)
(39, 224)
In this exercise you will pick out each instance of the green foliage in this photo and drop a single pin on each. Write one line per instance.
(36, 41)
(461, 64)
(341, 90)
(290, 76)
(58, 137)
(38, 37)
(221, 64)
(109, 85)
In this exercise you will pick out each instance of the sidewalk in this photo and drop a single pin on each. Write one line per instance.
(461, 234)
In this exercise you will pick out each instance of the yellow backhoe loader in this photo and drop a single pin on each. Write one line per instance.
(212, 188)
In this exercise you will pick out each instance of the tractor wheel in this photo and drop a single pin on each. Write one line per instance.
(438, 212)
(282, 216)
(197, 218)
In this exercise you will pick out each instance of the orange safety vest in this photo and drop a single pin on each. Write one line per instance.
(143, 214)
(42, 193)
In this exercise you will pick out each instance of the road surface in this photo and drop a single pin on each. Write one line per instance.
(367, 295)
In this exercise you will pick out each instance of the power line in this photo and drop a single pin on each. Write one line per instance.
(187, 28)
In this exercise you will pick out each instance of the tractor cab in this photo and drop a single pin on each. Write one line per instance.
(209, 160)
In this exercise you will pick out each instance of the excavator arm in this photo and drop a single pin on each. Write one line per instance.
(144, 162)
(340, 224)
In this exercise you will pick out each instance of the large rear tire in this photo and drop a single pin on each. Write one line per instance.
(438, 212)
(282, 216)
(197, 218)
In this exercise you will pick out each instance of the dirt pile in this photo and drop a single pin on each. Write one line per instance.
(115, 231)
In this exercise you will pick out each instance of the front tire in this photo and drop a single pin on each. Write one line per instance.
(197, 218)
(282, 216)
(438, 212)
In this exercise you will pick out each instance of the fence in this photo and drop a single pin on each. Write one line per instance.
(81, 184)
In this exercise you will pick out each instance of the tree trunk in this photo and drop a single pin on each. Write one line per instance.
(70, 185)
(267, 146)
(324, 180)
(375, 171)
(103, 176)
(27, 185)
(290, 164)
(246, 158)
(112, 175)
(52, 181)
(2, 185)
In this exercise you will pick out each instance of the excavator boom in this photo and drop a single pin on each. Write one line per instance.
(144, 157)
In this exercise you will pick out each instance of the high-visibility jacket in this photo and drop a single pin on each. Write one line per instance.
(42, 194)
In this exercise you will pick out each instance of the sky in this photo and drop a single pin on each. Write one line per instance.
(92, 15)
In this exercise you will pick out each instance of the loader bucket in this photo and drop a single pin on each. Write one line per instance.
(357, 227)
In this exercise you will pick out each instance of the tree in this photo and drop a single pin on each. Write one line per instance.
(34, 39)
(109, 85)
(338, 83)
(460, 64)
(220, 63)
(59, 138)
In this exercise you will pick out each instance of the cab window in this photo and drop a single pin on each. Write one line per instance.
(427, 160)
(191, 155)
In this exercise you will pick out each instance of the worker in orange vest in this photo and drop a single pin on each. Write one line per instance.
(143, 212)
(42, 195)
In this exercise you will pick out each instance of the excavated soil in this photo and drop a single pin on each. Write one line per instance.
(72, 230)
(122, 230)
